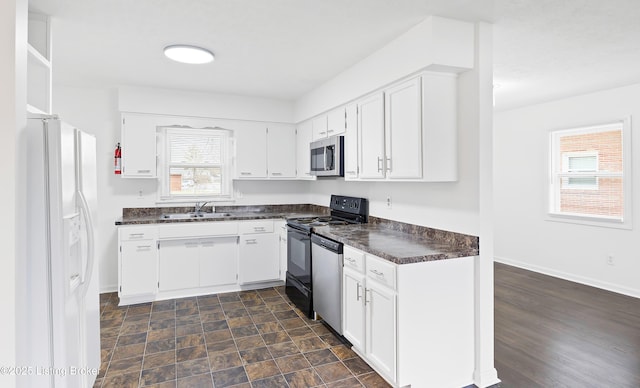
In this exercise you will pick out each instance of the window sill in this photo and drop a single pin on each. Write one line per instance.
(589, 221)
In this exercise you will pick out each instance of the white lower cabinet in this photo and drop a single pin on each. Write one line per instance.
(380, 324)
(184, 259)
(208, 262)
(218, 261)
(259, 258)
(138, 268)
(353, 307)
(138, 262)
(412, 323)
(179, 262)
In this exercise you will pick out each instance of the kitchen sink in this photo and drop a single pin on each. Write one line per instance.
(186, 216)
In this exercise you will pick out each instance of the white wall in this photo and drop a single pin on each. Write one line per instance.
(13, 86)
(97, 111)
(436, 43)
(522, 235)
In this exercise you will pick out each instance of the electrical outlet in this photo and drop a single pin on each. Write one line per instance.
(388, 202)
(610, 260)
(140, 196)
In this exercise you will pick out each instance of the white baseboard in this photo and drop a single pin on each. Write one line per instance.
(571, 277)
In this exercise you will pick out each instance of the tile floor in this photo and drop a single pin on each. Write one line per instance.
(239, 339)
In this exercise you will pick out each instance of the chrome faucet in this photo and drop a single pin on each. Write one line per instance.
(199, 205)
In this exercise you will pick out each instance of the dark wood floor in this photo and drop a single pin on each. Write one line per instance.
(555, 333)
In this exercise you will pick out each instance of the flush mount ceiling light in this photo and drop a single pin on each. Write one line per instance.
(188, 54)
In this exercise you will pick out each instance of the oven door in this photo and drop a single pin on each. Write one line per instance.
(299, 255)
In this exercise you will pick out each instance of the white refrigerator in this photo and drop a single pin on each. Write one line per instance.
(62, 282)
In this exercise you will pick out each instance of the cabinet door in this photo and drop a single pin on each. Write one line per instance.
(218, 261)
(138, 146)
(303, 154)
(371, 136)
(179, 263)
(138, 267)
(381, 328)
(351, 143)
(251, 152)
(353, 308)
(281, 151)
(319, 125)
(403, 121)
(336, 122)
(259, 259)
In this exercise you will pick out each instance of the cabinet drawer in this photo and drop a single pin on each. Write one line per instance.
(353, 259)
(256, 227)
(381, 271)
(197, 229)
(138, 233)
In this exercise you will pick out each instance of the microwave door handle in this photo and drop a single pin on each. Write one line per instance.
(324, 149)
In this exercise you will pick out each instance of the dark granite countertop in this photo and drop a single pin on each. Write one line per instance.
(401, 247)
(397, 242)
(140, 216)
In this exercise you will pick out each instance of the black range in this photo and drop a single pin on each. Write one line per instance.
(344, 210)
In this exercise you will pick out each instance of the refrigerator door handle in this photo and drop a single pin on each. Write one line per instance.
(90, 243)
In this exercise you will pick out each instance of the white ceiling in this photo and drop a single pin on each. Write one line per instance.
(544, 49)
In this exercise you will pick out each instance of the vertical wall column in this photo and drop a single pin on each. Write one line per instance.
(485, 373)
(13, 103)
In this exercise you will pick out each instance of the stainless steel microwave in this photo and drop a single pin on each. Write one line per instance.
(327, 156)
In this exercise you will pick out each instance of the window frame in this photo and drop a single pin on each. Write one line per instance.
(165, 165)
(553, 172)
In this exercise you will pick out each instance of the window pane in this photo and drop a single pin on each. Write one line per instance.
(583, 163)
(194, 148)
(195, 181)
(604, 198)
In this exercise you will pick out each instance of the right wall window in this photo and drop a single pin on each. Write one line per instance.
(589, 174)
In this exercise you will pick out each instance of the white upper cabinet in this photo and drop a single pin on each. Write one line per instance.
(371, 136)
(138, 146)
(351, 143)
(319, 125)
(407, 132)
(403, 131)
(266, 151)
(303, 153)
(281, 151)
(251, 152)
(336, 121)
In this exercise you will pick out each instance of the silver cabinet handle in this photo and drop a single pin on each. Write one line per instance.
(351, 172)
(245, 173)
(350, 260)
(358, 296)
(377, 273)
(276, 173)
(388, 164)
(331, 130)
(144, 247)
(258, 229)
(144, 171)
(365, 296)
(251, 242)
(379, 164)
(322, 133)
(132, 235)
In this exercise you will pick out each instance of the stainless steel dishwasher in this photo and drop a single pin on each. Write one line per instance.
(326, 278)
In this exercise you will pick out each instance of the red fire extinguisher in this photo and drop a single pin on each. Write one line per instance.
(117, 159)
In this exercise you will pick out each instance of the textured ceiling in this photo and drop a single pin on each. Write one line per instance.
(543, 49)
